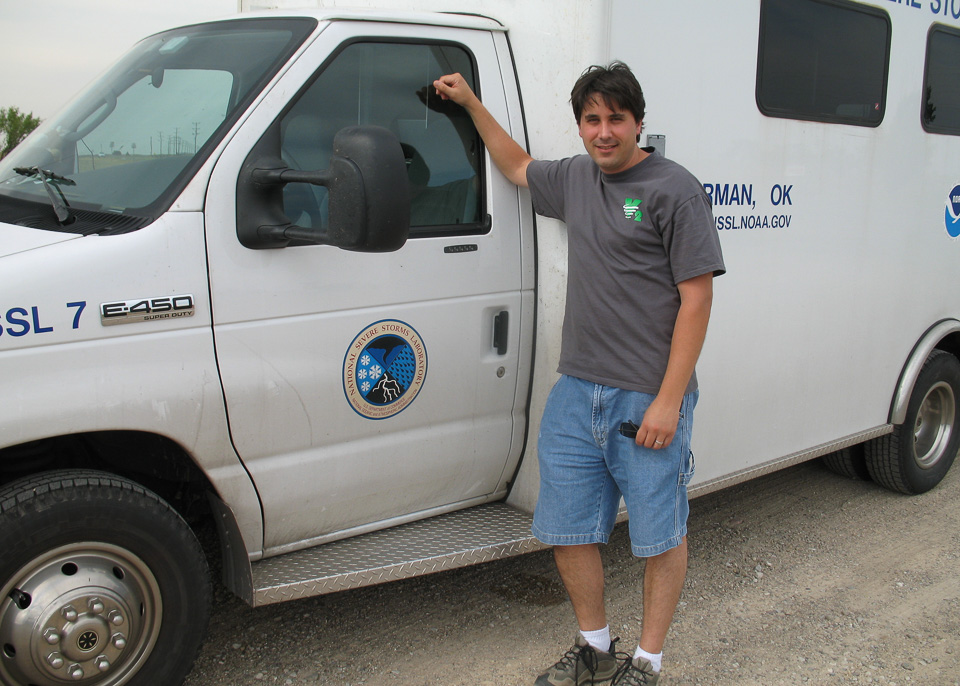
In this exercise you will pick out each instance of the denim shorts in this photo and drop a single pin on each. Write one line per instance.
(586, 465)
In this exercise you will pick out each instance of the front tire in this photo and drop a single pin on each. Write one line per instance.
(919, 452)
(102, 583)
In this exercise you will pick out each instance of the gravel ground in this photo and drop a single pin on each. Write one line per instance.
(799, 577)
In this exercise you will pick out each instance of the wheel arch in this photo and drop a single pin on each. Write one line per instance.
(161, 465)
(944, 335)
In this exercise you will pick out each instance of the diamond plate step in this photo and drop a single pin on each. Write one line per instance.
(458, 539)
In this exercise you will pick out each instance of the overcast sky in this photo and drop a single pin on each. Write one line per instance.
(50, 49)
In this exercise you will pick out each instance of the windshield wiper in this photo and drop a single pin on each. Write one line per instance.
(50, 181)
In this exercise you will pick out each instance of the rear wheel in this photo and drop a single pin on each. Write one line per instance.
(919, 452)
(850, 462)
(102, 584)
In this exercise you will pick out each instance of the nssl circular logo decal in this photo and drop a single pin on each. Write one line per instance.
(952, 213)
(384, 369)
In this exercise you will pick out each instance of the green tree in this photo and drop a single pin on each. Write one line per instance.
(14, 127)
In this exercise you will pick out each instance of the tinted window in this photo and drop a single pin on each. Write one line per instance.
(941, 83)
(389, 85)
(823, 60)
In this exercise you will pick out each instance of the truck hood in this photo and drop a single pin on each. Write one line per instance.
(14, 239)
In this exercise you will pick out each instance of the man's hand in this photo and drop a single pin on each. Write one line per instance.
(454, 87)
(659, 425)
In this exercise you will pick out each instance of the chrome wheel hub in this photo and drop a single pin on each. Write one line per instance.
(935, 425)
(87, 613)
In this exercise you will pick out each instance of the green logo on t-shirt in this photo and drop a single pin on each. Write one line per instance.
(631, 209)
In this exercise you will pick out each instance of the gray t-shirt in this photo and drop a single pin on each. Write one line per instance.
(633, 236)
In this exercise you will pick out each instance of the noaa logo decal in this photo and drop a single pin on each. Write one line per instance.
(384, 369)
(952, 214)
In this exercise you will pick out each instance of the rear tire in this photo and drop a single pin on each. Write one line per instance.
(918, 454)
(850, 462)
(102, 583)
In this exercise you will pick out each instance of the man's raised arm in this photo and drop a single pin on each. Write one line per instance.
(510, 158)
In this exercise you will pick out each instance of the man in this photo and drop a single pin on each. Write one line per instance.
(643, 251)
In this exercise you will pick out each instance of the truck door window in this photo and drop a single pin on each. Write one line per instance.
(941, 81)
(389, 84)
(823, 60)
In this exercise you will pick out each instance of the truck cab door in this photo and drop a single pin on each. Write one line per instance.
(364, 390)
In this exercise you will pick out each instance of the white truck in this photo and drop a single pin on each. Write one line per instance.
(257, 280)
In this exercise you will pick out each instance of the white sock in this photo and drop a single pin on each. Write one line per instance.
(599, 639)
(655, 660)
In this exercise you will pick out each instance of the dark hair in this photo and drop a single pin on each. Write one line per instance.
(614, 84)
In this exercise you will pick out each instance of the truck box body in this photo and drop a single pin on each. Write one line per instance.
(260, 270)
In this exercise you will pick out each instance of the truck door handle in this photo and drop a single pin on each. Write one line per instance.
(500, 328)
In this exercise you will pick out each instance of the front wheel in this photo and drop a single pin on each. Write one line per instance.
(102, 583)
(919, 452)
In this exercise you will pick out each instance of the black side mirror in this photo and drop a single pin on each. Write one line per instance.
(369, 198)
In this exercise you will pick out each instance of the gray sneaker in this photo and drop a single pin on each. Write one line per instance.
(638, 672)
(582, 664)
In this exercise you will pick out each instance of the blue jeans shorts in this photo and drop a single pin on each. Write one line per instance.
(586, 465)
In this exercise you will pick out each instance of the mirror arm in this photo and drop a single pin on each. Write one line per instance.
(293, 232)
(264, 181)
(283, 176)
(369, 203)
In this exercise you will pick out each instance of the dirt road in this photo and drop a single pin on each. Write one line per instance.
(800, 577)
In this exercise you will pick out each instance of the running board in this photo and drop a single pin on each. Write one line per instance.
(477, 534)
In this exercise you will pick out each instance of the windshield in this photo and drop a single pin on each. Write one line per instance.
(117, 157)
